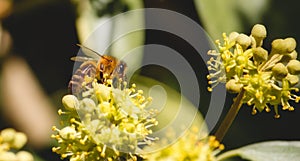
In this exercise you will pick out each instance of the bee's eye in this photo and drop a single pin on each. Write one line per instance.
(121, 68)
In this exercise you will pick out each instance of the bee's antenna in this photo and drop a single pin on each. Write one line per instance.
(89, 49)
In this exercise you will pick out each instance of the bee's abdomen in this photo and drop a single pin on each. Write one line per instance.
(86, 69)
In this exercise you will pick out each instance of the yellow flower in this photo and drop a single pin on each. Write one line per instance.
(268, 79)
(189, 147)
(106, 123)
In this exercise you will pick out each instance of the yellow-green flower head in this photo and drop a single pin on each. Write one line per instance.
(232, 60)
(10, 142)
(189, 147)
(106, 123)
(267, 79)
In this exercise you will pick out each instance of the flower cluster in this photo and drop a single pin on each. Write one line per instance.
(267, 79)
(189, 147)
(106, 123)
(10, 141)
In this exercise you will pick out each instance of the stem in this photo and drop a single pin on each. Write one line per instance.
(233, 111)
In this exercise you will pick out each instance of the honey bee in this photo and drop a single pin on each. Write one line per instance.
(95, 66)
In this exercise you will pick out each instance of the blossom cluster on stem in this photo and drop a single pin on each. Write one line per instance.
(269, 79)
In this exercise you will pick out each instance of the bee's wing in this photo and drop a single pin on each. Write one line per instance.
(82, 59)
(90, 52)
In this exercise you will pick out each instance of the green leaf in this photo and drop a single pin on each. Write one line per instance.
(266, 151)
(225, 16)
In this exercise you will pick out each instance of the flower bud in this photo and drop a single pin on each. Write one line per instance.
(19, 141)
(260, 54)
(70, 102)
(88, 105)
(279, 71)
(284, 46)
(278, 45)
(259, 31)
(233, 87)
(293, 79)
(290, 44)
(243, 40)
(5, 156)
(67, 132)
(294, 67)
(8, 134)
(232, 36)
(24, 156)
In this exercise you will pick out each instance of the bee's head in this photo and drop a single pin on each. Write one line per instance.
(107, 64)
